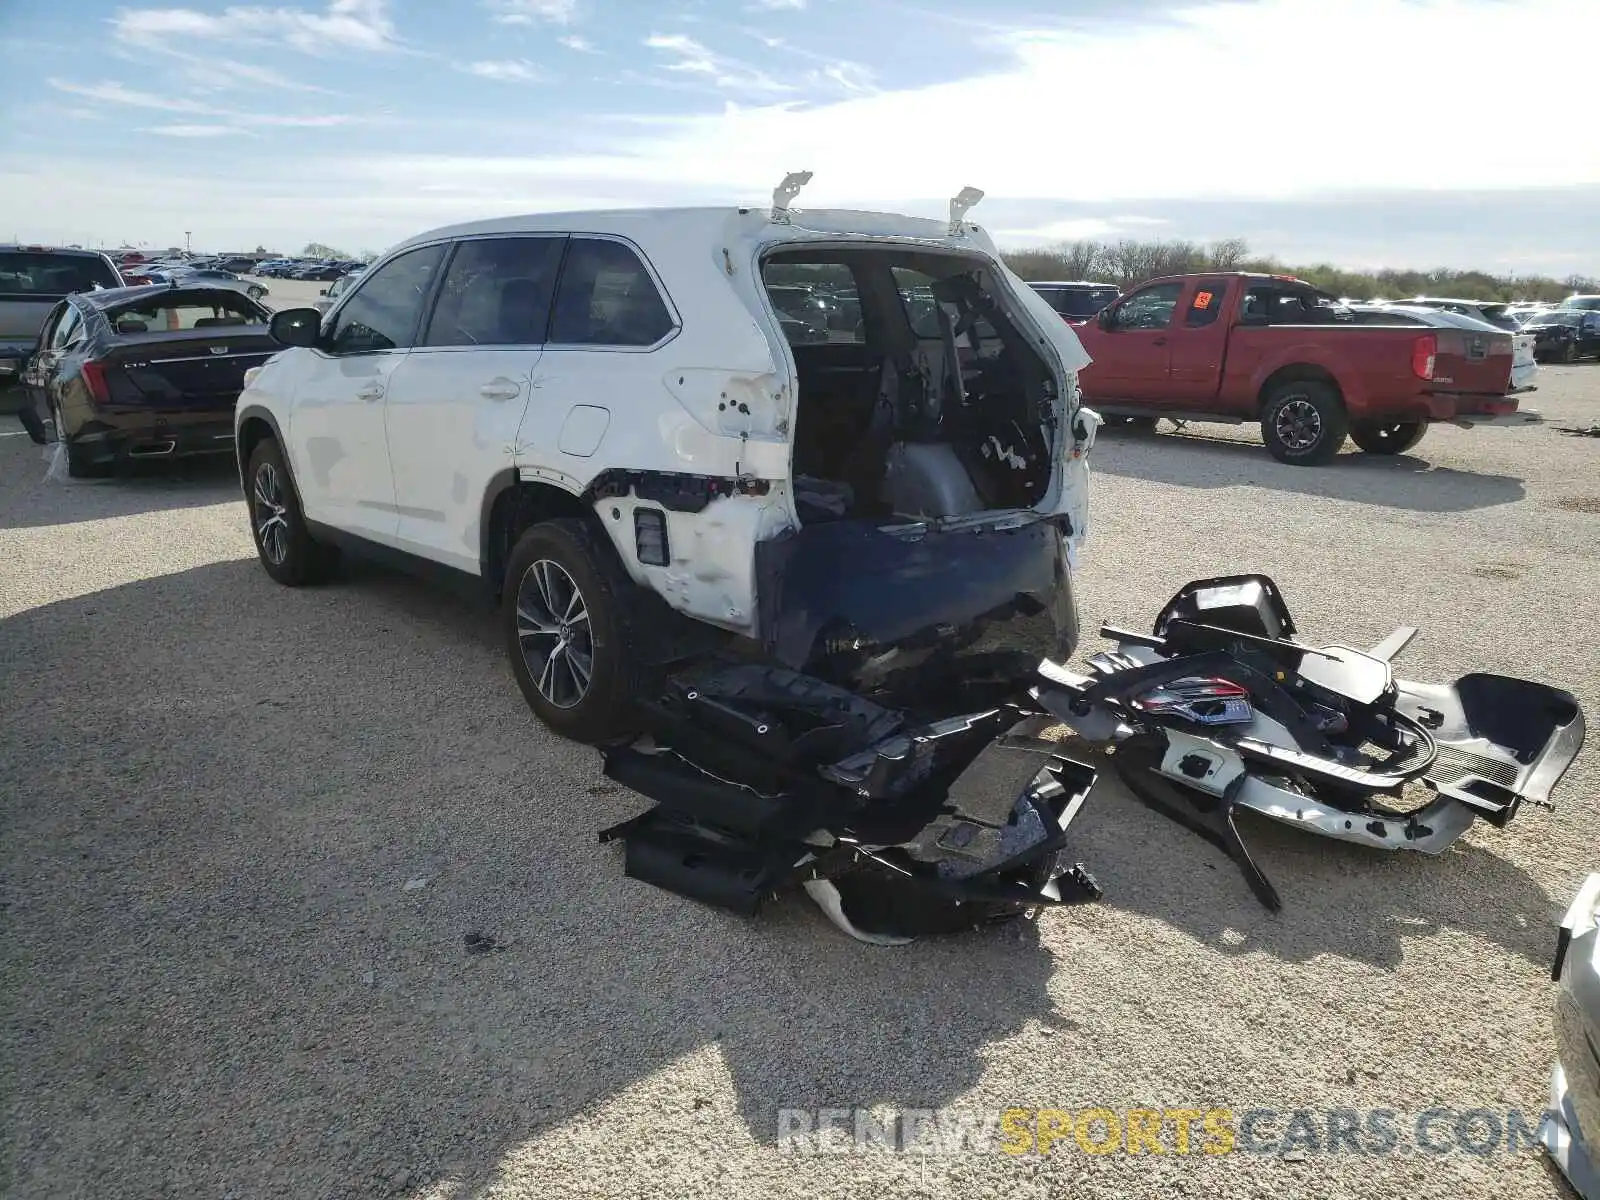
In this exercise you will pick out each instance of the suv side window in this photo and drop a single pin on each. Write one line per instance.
(496, 292)
(1150, 308)
(607, 298)
(1206, 303)
(384, 311)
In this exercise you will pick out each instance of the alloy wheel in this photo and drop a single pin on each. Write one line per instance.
(272, 525)
(1298, 424)
(553, 631)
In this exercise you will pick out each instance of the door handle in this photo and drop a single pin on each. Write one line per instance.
(500, 389)
(371, 392)
(1160, 341)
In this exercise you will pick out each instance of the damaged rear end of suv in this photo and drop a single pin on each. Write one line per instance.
(794, 579)
(868, 736)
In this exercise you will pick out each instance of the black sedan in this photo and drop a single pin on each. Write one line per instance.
(143, 372)
(1564, 334)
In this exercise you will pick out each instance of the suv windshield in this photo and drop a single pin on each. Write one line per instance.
(1555, 318)
(40, 275)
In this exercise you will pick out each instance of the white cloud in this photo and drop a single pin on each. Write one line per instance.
(1165, 128)
(510, 70)
(690, 57)
(195, 131)
(531, 12)
(344, 25)
(116, 95)
(777, 5)
(581, 44)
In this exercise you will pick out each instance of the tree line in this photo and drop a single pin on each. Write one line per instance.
(1128, 263)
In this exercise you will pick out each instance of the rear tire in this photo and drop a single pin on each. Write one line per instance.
(287, 550)
(30, 422)
(573, 632)
(1395, 437)
(1304, 423)
(79, 464)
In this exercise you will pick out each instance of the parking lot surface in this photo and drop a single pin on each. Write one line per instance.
(247, 829)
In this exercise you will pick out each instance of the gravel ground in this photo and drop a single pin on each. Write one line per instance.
(246, 830)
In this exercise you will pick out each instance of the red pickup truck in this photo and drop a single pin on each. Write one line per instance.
(1236, 347)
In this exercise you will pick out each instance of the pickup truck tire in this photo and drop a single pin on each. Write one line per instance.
(571, 631)
(1304, 423)
(1395, 437)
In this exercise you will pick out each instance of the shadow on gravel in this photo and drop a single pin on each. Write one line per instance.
(1337, 899)
(1393, 481)
(34, 496)
(244, 851)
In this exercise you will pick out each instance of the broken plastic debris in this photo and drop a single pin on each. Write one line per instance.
(417, 884)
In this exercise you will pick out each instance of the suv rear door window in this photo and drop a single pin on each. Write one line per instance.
(496, 292)
(34, 275)
(606, 297)
(384, 312)
(816, 302)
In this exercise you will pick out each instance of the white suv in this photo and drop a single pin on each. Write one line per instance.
(603, 417)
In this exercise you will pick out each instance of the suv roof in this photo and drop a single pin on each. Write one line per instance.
(705, 223)
(1074, 283)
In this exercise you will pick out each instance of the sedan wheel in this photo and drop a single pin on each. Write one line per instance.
(553, 630)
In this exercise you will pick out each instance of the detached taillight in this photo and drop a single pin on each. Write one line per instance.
(94, 378)
(1423, 353)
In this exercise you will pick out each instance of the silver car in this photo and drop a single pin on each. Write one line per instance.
(330, 294)
(1574, 1117)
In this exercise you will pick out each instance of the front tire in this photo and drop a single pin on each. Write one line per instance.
(1394, 437)
(572, 632)
(287, 550)
(1304, 423)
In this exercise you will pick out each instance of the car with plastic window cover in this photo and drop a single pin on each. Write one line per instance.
(812, 572)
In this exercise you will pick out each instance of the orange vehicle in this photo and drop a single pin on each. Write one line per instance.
(1237, 347)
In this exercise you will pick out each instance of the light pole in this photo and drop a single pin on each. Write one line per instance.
(187, 249)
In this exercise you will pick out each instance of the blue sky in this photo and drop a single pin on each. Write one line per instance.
(1367, 132)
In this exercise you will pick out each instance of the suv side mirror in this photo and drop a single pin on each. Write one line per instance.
(296, 326)
(1105, 316)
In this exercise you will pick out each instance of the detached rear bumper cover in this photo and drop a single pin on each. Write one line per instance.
(896, 828)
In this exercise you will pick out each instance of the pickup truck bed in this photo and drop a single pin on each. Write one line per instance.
(1242, 347)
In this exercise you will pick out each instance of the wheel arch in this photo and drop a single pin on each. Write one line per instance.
(1300, 372)
(510, 505)
(252, 425)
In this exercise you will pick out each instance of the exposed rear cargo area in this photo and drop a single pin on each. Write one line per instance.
(919, 395)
